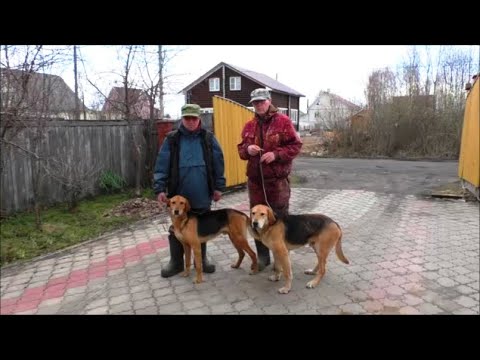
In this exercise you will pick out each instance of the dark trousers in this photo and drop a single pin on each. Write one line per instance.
(176, 263)
(278, 198)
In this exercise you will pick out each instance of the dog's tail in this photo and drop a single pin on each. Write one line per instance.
(338, 249)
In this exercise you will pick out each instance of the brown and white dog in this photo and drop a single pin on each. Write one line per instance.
(292, 231)
(193, 229)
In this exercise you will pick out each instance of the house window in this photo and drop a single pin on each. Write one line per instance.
(214, 84)
(283, 110)
(294, 115)
(235, 83)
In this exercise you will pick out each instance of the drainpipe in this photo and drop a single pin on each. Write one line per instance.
(223, 77)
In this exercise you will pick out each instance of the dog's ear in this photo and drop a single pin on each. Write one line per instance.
(271, 216)
(168, 202)
(187, 206)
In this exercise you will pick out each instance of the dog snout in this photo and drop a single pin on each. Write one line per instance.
(176, 212)
(255, 224)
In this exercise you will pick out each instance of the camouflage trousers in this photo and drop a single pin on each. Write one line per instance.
(277, 191)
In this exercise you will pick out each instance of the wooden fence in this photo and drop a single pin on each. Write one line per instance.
(83, 145)
(102, 145)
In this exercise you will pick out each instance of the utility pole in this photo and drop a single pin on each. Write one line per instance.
(77, 107)
(161, 63)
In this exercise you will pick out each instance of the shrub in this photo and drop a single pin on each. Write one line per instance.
(111, 182)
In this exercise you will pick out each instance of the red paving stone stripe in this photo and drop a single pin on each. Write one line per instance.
(31, 298)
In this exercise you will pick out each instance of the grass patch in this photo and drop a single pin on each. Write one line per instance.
(60, 228)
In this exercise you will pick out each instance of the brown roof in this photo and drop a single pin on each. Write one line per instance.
(137, 100)
(45, 92)
(116, 98)
(259, 78)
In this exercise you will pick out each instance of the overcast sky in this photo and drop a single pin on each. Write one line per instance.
(308, 69)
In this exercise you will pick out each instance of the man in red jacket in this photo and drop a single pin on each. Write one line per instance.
(269, 143)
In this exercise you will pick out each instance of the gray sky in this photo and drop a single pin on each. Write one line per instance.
(308, 69)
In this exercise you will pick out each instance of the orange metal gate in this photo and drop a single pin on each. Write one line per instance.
(469, 161)
(229, 119)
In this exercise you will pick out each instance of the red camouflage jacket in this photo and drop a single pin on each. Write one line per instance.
(279, 136)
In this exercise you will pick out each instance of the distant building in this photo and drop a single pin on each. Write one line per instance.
(37, 94)
(329, 110)
(115, 107)
(235, 83)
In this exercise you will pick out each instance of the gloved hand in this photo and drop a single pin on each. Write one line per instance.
(217, 195)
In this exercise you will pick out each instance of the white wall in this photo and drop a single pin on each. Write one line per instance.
(327, 110)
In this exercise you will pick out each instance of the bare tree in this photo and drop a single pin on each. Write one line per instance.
(154, 82)
(129, 101)
(144, 80)
(27, 103)
(411, 73)
(74, 177)
(418, 110)
(381, 87)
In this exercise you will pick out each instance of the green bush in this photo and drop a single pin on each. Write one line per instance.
(111, 182)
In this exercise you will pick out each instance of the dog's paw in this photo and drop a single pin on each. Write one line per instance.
(235, 266)
(310, 272)
(186, 274)
(197, 281)
(311, 284)
(274, 277)
(284, 290)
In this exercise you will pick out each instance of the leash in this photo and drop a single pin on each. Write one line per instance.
(263, 181)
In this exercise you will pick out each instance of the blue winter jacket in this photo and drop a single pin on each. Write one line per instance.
(192, 179)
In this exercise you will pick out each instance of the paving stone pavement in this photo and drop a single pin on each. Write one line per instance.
(408, 255)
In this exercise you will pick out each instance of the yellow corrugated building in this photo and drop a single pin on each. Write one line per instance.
(229, 118)
(469, 161)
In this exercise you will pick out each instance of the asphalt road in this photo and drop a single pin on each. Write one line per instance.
(379, 175)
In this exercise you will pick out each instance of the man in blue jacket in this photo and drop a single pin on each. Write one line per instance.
(190, 163)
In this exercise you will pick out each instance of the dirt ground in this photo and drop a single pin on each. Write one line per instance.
(140, 207)
(312, 144)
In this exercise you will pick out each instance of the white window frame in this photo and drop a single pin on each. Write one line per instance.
(294, 115)
(235, 83)
(214, 84)
(283, 110)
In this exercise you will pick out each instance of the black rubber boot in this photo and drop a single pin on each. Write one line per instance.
(263, 254)
(176, 264)
(206, 266)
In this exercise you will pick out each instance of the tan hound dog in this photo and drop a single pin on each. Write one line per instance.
(193, 229)
(293, 231)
